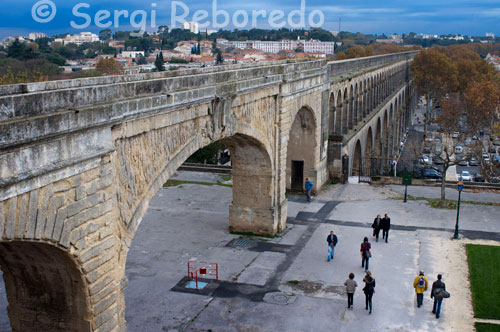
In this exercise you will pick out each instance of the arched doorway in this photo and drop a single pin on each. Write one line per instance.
(301, 150)
(357, 162)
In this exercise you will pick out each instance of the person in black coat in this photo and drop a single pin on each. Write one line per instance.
(369, 289)
(386, 226)
(377, 223)
(436, 309)
(332, 242)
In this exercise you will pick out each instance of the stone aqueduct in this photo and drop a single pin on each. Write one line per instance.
(81, 159)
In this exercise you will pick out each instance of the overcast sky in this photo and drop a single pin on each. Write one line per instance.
(366, 16)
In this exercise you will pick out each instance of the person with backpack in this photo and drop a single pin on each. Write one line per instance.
(369, 290)
(365, 253)
(350, 285)
(332, 242)
(309, 185)
(420, 283)
(377, 224)
(386, 226)
(437, 293)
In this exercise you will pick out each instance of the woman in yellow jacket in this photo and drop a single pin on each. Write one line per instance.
(420, 284)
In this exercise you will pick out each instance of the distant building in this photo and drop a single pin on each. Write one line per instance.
(83, 37)
(308, 46)
(424, 36)
(390, 41)
(191, 26)
(132, 54)
(490, 35)
(36, 35)
(494, 60)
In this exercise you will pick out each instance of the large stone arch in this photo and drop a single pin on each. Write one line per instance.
(352, 107)
(45, 288)
(331, 114)
(345, 112)
(357, 161)
(367, 156)
(301, 149)
(338, 115)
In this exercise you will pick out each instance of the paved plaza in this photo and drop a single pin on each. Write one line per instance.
(286, 283)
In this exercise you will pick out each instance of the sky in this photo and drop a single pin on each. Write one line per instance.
(473, 18)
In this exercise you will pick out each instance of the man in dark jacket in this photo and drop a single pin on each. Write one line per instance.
(436, 309)
(386, 226)
(332, 242)
(377, 223)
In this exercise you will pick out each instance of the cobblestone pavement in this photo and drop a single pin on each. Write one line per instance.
(285, 283)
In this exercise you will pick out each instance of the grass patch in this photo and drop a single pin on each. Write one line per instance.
(482, 327)
(485, 280)
(175, 183)
(448, 204)
(293, 282)
(226, 177)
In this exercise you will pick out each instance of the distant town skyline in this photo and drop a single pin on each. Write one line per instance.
(473, 18)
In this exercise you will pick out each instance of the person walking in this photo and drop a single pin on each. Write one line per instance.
(386, 226)
(309, 185)
(436, 294)
(420, 283)
(350, 285)
(369, 290)
(377, 223)
(332, 242)
(365, 253)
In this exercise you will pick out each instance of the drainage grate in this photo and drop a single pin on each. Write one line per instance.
(279, 298)
(243, 243)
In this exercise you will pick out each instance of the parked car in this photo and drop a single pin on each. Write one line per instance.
(496, 141)
(455, 134)
(479, 178)
(496, 159)
(465, 176)
(427, 149)
(430, 173)
(438, 161)
(459, 149)
(462, 161)
(492, 150)
(474, 138)
(468, 141)
(427, 160)
(473, 161)
(486, 158)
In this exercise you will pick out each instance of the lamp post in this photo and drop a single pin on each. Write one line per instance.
(460, 187)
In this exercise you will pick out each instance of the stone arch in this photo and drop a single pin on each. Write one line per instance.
(338, 115)
(331, 113)
(301, 149)
(352, 107)
(45, 288)
(357, 161)
(345, 112)
(367, 156)
(391, 131)
(365, 98)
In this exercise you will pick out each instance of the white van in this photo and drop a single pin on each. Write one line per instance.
(459, 149)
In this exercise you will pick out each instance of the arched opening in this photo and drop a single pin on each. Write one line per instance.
(338, 115)
(352, 107)
(345, 113)
(301, 150)
(357, 162)
(45, 288)
(378, 145)
(385, 140)
(187, 220)
(356, 104)
(331, 118)
(368, 153)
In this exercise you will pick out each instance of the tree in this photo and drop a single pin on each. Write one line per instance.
(109, 67)
(159, 62)
(219, 59)
(142, 61)
(105, 34)
(434, 75)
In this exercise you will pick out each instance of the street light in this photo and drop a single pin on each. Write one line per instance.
(460, 187)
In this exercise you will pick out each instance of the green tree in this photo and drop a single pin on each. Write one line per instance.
(219, 59)
(159, 62)
(434, 75)
(105, 34)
